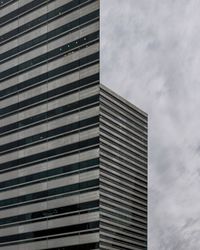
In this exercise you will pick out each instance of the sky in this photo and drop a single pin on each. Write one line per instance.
(150, 54)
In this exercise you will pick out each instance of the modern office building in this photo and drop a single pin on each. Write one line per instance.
(73, 154)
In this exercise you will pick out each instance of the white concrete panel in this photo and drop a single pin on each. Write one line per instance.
(50, 125)
(62, 81)
(65, 140)
(56, 243)
(50, 66)
(50, 105)
(51, 26)
(54, 223)
(59, 202)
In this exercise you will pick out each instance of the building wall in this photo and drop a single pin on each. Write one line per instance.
(73, 155)
(49, 127)
(123, 174)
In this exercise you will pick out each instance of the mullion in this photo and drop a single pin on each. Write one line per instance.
(48, 154)
(36, 23)
(49, 114)
(4, 3)
(46, 213)
(22, 11)
(29, 179)
(50, 74)
(50, 36)
(49, 56)
(49, 232)
(48, 134)
(36, 197)
(39, 99)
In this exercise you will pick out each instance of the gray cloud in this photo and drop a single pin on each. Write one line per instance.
(151, 56)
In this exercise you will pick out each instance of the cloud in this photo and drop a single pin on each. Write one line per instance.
(150, 54)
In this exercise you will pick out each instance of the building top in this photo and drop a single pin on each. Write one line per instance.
(125, 101)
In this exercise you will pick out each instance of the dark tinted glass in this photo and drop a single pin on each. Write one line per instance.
(90, 246)
(65, 9)
(22, 10)
(54, 34)
(54, 132)
(50, 94)
(48, 154)
(49, 174)
(50, 232)
(43, 195)
(58, 211)
(69, 108)
(50, 74)
(3, 3)
(75, 45)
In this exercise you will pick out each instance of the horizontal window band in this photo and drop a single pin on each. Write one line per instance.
(116, 119)
(48, 174)
(119, 153)
(124, 239)
(59, 52)
(114, 105)
(112, 163)
(22, 11)
(126, 224)
(127, 245)
(106, 160)
(136, 195)
(50, 56)
(89, 246)
(48, 115)
(123, 132)
(110, 138)
(49, 95)
(123, 103)
(124, 196)
(50, 134)
(124, 217)
(53, 177)
(73, 111)
(38, 101)
(57, 77)
(48, 154)
(120, 178)
(50, 232)
(36, 197)
(133, 213)
(123, 172)
(113, 181)
(130, 163)
(124, 235)
(43, 19)
(78, 150)
(48, 213)
(54, 137)
(130, 117)
(127, 219)
(59, 236)
(49, 75)
(52, 217)
(52, 35)
(3, 3)
(109, 226)
(46, 199)
(130, 139)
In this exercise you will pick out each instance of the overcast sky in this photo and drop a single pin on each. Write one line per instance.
(150, 54)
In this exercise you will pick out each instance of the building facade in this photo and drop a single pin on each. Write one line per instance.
(73, 154)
